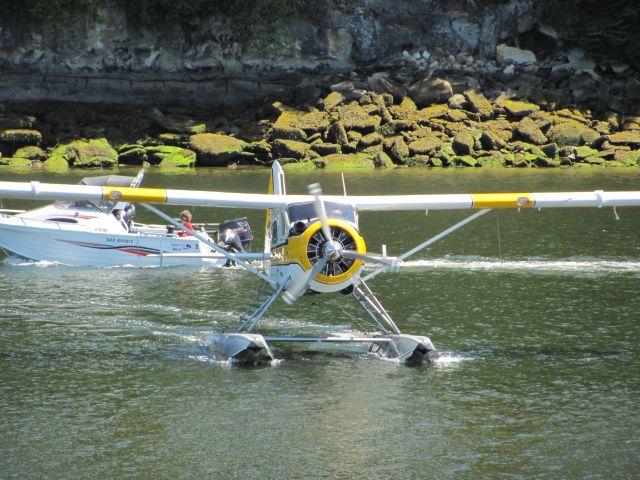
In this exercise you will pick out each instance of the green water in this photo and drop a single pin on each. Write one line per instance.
(104, 372)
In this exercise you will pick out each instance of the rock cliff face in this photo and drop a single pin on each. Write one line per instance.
(110, 59)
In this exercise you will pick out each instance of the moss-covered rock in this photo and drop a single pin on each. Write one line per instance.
(30, 153)
(419, 161)
(55, 164)
(290, 148)
(405, 110)
(491, 161)
(454, 115)
(20, 137)
(382, 160)
(262, 151)
(426, 145)
(584, 152)
(529, 131)
(94, 153)
(466, 161)
(288, 133)
(337, 133)
(595, 160)
(173, 139)
(295, 167)
(519, 109)
(354, 117)
(571, 132)
(425, 115)
(627, 157)
(132, 155)
(342, 162)
(16, 164)
(463, 143)
(311, 122)
(332, 100)
(213, 149)
(168, 156)
(446, 154)
(370, 139)
(479, 104)
(397, 149)
(631, 138)
(324, 149)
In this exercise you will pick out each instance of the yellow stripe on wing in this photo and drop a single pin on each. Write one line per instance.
(502, 200)
(128, 194)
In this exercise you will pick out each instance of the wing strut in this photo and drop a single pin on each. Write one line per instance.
(425, 244)
(217, 248)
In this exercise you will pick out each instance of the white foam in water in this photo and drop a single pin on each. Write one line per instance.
(572, 265)
(447, 359)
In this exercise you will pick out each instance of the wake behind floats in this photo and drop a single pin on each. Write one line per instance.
(313, 244)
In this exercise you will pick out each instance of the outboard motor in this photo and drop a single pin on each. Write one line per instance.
(235, 235)
(129, 214)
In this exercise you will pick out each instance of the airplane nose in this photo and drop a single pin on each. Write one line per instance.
(333, 250)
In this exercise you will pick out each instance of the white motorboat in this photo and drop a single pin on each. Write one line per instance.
(104, 234)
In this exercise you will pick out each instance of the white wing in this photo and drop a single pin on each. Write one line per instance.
(48, 191)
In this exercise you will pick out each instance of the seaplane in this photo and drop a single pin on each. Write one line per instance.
(313, 245)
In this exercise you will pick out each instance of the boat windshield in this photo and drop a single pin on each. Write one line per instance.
(307, 211)
(84, 205)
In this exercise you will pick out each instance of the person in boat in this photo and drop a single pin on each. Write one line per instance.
(123, 222)
(185, 219)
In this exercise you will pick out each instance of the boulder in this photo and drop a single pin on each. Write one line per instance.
(355, 117)
(341, 162)
(369, 140)
(30, 153)
(16, 138)
(324, 149)
(288, 133)
(463, 143)
(175, 123)
(528, 130)
(168, 156)
(506, 55)
(213, 149)
(428, 91)
(631, 138)
(571, 132)
(479, 104)
(425, 146)
(519, 109)
(337, 133)
(397, 149)
(290, 148)
(311, 122)
(132, 155)
(94, 153)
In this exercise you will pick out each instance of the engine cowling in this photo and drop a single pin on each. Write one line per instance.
(310, 246)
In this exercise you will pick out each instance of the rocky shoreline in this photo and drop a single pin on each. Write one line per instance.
(455, 119)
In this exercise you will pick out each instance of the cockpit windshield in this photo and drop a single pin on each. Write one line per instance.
(307, 211)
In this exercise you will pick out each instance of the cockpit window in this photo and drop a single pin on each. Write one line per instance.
(307, 211)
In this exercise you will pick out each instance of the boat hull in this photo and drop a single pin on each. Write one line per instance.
(75, 245)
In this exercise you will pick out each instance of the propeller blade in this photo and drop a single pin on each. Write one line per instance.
(392, 263)
(316, 191)
(298, 287)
